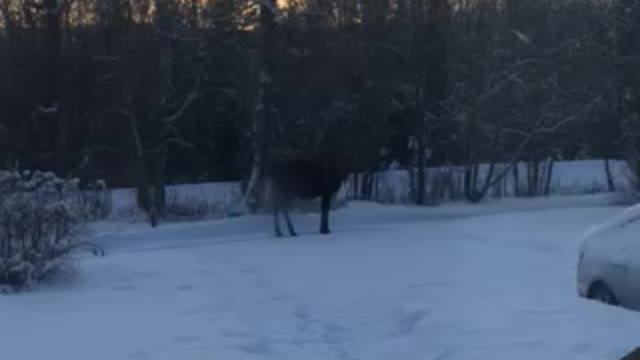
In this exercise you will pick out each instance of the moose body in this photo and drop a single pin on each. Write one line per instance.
(304, 179)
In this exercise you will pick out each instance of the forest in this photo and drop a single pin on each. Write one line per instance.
(146, 93)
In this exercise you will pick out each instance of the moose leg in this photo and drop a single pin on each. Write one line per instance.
(287, 219)
(276, 222)
(324, 216)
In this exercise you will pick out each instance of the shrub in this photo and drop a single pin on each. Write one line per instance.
(628, 192)
(41, 224)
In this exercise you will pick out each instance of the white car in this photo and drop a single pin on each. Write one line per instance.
(609, 261)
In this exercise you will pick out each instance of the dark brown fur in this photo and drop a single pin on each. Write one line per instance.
(304, 179)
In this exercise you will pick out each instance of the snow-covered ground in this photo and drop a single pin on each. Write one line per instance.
(493, 281)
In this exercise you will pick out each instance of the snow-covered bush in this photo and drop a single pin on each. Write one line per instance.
(628, 192)
(41, 223)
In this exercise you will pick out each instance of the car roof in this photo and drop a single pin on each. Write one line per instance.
(625, 217)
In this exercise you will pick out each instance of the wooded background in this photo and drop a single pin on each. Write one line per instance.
(154, 92)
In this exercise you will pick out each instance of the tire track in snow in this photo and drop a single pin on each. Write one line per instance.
(309, 330)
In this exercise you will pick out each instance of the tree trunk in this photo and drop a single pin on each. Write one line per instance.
(421, 178)
(471, 182)
(143, 190)
(536, 179)
(478, 195)
(468, 190)
(62, 143)
(157, 156)
(421, 163)
(532, 178)
(497, 189)
(475, 170)
(376, 189)
(419, 113)
(263, 71)
(516, 181)
(505, 184)
(54, 99)
(549, 177)
(254, 97)
(607, 169)
(364, 180)
(412, 183)
(356, 188)
(370, 183)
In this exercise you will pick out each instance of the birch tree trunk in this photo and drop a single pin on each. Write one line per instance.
(262, 114)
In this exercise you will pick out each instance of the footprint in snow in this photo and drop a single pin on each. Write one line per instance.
(185, 339)
(409, 322)
(302, 314)
(205, 271)
(138, 355)
(334, 334)
(185, 287)
(124, 287)
(582, 348)
(237, 334)
(259, 347)
(146, 275)
(419, 285)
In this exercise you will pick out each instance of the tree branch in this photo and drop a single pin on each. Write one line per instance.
(514, 159)
(193, 95)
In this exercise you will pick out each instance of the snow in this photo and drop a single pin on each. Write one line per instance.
(212, 195)
(492, 281)
(568, 178)
(222, 198)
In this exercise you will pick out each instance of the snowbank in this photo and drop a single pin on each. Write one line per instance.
(567, 178)
(209, 199)
(214, 199)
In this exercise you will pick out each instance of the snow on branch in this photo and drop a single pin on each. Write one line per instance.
(521, 36)
(193, 95)
(398, 52)
(523, 144)
(48, 110)
(187, 102)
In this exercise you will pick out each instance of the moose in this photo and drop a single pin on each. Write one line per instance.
(317, 176)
